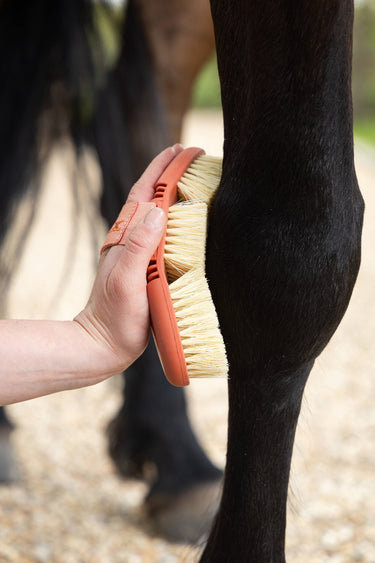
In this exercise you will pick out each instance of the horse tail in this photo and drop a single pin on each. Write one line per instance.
(47, 80)
(129, 125)
(57, 81)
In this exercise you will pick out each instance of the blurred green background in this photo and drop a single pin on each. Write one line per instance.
(364, 70)
(207, 92)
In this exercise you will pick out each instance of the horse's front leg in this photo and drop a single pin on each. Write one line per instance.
(284, 242)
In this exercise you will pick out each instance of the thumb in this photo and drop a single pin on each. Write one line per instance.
(143, 241)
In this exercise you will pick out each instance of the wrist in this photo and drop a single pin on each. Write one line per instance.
(43, 357)
(104, 356)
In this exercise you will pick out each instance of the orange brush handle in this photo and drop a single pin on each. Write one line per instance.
(163, 319)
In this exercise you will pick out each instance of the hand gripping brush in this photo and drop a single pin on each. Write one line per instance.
(183, 317)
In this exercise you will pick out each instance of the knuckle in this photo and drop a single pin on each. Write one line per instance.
(133, 192)
(136, 243)
(140, 240)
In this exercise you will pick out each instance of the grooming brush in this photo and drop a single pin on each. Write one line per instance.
(183, 316)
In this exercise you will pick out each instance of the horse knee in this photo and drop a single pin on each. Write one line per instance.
(281, 278)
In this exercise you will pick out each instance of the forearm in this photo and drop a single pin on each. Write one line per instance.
(42, 357)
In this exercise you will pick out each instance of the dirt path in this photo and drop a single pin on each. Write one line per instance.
(70, 507)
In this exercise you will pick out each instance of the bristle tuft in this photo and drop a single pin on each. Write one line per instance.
(201, 180)
(185, 242)
(198, 325)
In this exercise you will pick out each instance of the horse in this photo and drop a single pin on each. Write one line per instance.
(283, 246)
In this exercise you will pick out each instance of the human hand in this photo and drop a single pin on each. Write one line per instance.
(116, 317)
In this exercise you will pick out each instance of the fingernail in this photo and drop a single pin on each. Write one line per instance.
(155, 218)
(177, 146)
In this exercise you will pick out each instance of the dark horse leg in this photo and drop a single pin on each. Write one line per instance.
(152, 426)
(283, 244)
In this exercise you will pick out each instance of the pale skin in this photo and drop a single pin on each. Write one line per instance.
(112, 331)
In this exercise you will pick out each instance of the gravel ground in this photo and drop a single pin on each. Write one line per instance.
(70, 507)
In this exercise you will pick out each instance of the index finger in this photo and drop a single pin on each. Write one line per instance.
(143, 189)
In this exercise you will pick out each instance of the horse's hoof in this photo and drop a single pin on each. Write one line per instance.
(187, 516)
(9, 470)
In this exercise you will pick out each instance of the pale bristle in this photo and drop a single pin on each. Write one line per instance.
(184, 257)
(185, 240)
(201, 180)
(198, 325)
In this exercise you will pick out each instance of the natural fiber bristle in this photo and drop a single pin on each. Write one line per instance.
(184, 258)
(198, 325)
(185, 240)
(201, 180)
